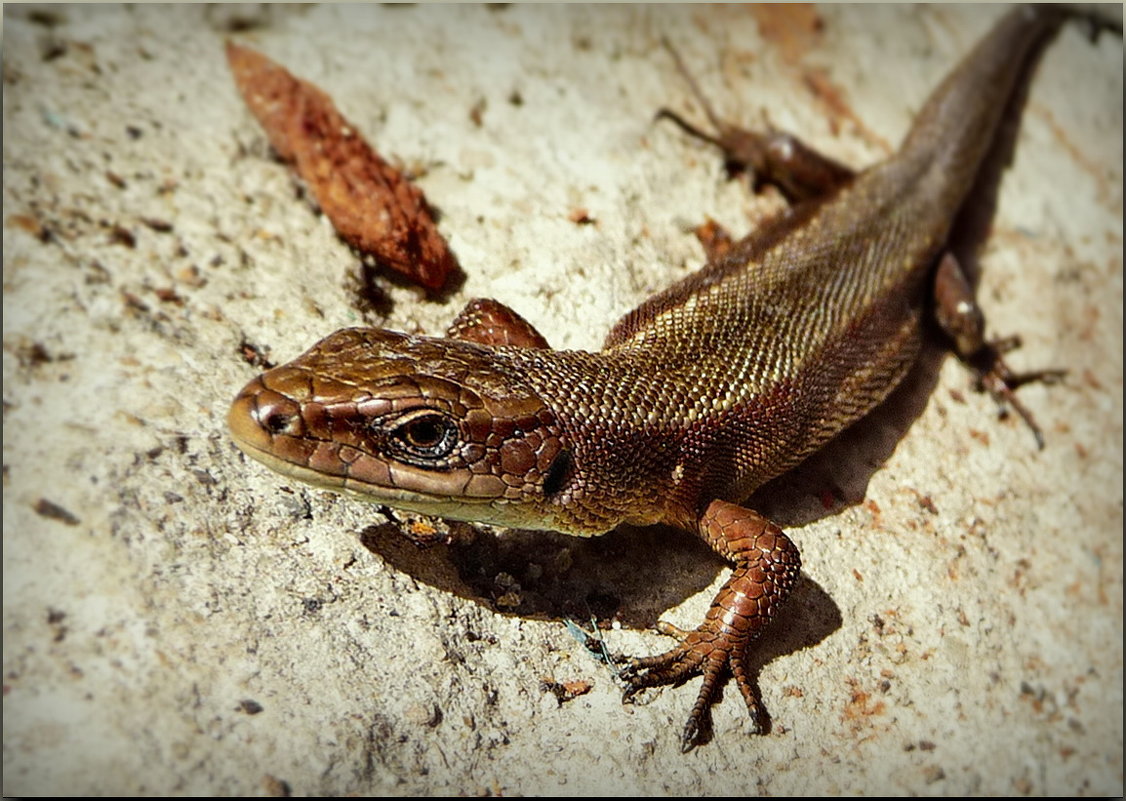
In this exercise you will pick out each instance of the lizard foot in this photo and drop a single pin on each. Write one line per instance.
(765, 568)
(995, 377)
(710, 651)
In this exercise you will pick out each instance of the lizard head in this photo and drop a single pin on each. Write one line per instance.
(437, 426)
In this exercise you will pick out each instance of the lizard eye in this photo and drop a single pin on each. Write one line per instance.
(426, 435)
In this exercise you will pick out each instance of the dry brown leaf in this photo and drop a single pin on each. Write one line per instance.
(372, 206)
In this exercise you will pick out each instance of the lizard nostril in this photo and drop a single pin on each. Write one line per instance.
(276, 422)
(277, 414)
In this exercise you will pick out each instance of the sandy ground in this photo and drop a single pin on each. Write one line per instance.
(178, 620)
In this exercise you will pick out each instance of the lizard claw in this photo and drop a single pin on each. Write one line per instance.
(706, 652)
(766, 565)
(995, 377)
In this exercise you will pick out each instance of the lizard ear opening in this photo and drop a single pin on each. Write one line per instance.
(558, 474)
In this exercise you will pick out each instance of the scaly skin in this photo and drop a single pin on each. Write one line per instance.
(700, 395)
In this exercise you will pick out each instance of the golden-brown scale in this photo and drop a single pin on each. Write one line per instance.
(704, 392)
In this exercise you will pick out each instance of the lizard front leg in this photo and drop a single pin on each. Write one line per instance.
(489, 322)
(765, 568)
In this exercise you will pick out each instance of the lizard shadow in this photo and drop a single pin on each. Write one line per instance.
(367, 285)
(632, 576)
(547, 575)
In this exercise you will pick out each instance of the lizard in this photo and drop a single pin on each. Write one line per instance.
(707, 390)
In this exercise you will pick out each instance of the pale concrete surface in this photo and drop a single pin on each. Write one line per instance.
(200, 626)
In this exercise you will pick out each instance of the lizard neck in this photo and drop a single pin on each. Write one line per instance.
(646, 444)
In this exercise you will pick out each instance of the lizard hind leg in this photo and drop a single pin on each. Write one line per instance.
(961, 318)
(769, 157)
(766, 565)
